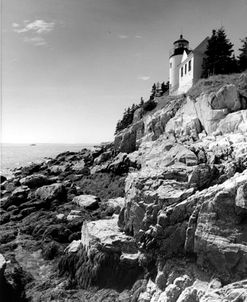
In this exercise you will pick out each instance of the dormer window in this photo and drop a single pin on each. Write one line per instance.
(182, 71)
(185, 68)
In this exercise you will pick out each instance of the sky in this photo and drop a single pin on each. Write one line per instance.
(71, 67)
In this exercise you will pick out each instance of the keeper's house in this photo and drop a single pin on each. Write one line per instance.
(185, 65)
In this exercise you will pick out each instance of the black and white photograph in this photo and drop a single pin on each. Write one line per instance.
(123, 151)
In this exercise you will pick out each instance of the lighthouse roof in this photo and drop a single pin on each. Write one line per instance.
(179, 51)
(181, 39)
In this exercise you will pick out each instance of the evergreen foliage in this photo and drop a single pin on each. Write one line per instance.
(165, 87)
(242, 58)
(156, 91)
(149, 105)
(219, 58)
(127, 118)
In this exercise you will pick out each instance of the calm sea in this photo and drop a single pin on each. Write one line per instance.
(16, 155)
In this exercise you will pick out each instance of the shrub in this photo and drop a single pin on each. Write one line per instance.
(149, 105)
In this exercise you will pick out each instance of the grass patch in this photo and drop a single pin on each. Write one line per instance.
(214, 83)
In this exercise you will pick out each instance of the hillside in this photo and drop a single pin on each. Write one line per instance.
(168, 217)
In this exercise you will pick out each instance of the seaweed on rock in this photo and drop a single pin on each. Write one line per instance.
(102, 269)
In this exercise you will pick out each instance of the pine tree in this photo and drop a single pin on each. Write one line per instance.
(219, 51)
(153, 89)
(242, 58)
(141, 102)
(164, 87)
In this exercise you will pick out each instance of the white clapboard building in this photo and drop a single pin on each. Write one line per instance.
(185, 65)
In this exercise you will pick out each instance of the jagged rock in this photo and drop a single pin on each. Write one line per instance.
(226, 97)
(119, 164)
(127, 140)
(35, 180)
(89, 202)
(201, 176)
(99, 168)
(8, 186)
(223, 248)
(241, 197)
(174, 290)
(103, 157)
(147, 295)
(19, 195)
(57, 169)
(189, 295)
(138, 114)
(236, 291)
(124, 296)
(161, 280)
(215, 284)
(234, 122)
(115, 204)
(51, 192)
(134, 160)
(146, 194)
(31, 168)
(106, 234)
(208, 109)
(79, 167)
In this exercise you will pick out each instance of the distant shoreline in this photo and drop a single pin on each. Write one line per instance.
(15, 155)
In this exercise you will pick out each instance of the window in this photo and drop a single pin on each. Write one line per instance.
(189, 65)
(185, 68)
(182, 71)
(170, 65)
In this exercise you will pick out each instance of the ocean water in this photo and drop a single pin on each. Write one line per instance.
(17, 155)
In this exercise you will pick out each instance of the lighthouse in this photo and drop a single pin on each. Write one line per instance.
(175, 59)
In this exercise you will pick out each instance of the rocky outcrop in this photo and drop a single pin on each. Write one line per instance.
(40, 223)
(167, 216)
(127, 141)
(115, 204)
(88, 202)
(106, 234)
(51, 192)
(188, 199)
(35, 180)
(186, 117)
(178, 281)
(108, 256)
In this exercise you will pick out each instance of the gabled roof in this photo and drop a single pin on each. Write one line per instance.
(200, 49)
(202, 46)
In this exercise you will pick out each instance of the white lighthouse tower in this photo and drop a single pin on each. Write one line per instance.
(175, 59)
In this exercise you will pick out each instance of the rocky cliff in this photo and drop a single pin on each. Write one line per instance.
(186, 206)
(159, 216)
